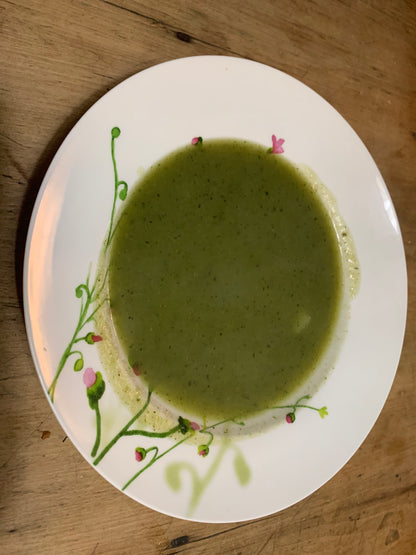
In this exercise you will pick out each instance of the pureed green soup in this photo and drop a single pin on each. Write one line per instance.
(225, 279)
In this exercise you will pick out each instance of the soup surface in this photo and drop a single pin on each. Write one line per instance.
(225, 279)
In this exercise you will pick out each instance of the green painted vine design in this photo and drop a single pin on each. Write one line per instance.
(89, 294)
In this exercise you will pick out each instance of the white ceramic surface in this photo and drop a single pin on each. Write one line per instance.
(157, 111)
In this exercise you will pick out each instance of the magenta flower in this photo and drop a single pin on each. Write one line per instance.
(195, 426)
(196, 140)
(91, 338)
(203, 450)
(139, 454)
(277, 147)
(290, 417)
(89, 378)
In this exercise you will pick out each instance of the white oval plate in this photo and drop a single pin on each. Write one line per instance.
(157, 111)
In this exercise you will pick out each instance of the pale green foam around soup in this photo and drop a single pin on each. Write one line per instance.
(225, 279)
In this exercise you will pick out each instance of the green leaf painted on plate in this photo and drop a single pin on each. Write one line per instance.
(78, 292)
(79, 364)
(323, 411)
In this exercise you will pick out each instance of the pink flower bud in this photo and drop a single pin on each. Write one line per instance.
(139, 454)
(290, 417)
(203, 450)
(89, 377)
(195, 426)
(96, 338)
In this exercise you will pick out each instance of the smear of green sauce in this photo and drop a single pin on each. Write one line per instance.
(225, 279)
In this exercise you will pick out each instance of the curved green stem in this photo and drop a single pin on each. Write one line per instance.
(152, 460)
(84, 338)
(98, 436)
(75, 352)
(95, 294)
(211, 438)
(115, 194)
(83, 291)
(93, 313)
(83, 287)
(66, 354)
(117, 185)
(307, 407)
(83, 320)
(298, 405)
(123, 431)
(68, 351)
(211, 426)
(155, 458)
(152, 434)
(301, 399)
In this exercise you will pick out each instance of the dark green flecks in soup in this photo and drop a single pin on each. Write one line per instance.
(225, 279)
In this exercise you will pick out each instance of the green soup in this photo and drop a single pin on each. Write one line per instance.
(225, 279)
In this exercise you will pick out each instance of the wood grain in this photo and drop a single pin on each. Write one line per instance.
(59, 57)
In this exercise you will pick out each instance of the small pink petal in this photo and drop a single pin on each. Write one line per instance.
(201, 453)
(89, 377)
(139, 456)
(136, 370)
(96, 338)
(195, 140)
(277, 145)
(195, 426)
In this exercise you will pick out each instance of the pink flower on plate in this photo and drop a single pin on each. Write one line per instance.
(290, 417)
(96, 338)
(203, 450)
(195, 426)
(89, 377)
(196, 140)
(277, 147)
(139, 454)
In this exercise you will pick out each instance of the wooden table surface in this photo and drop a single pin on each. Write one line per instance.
(57, 58)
